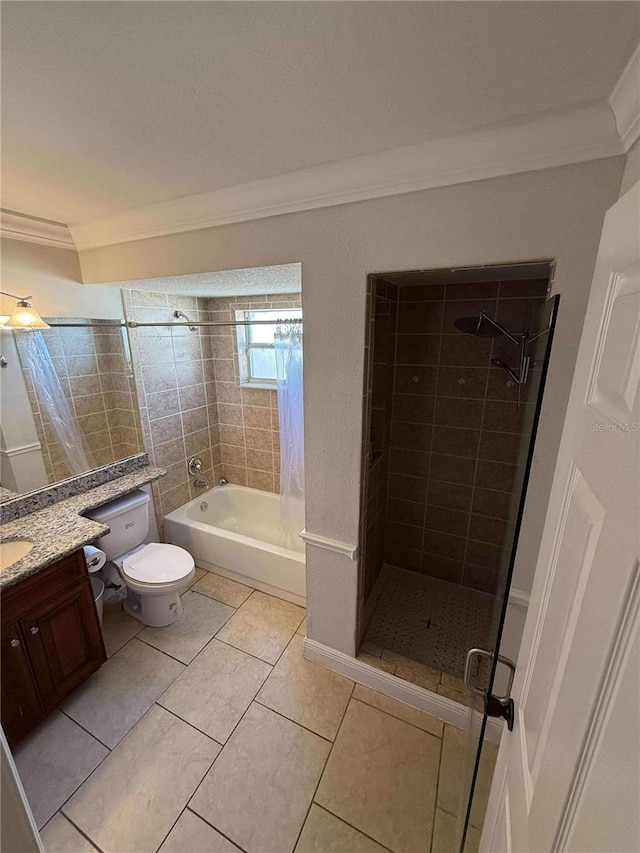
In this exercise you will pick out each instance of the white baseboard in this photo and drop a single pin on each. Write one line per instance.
(434, 704)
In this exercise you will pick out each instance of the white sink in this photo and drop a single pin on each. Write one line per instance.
(11, 552)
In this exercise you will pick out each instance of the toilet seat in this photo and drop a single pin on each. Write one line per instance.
(157, 565)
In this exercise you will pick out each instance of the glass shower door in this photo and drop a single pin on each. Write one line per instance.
(489, 675)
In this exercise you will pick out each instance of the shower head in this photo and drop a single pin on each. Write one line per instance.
(180, 315)
(497, 362)
(481, 326)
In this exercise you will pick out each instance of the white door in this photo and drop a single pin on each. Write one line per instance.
(568, 775)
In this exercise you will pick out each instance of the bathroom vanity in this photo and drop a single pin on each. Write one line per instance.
(51, 642)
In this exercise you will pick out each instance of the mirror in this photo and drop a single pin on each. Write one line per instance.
(69, 402)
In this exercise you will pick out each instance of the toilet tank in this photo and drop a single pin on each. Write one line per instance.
(128, 519)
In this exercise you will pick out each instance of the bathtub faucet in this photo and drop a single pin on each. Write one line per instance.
(200, 484)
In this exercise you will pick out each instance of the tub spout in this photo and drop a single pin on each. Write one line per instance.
(200, 484)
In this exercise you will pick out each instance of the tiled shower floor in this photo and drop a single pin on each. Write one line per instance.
(430, 623)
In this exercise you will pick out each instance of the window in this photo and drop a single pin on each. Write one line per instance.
(256, 348)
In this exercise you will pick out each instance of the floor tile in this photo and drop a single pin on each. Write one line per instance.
(200, 573)
(118, 627)
(445, 835)
(370, 648)
(134, 798)
(381, 778)
(222, 589)
(410, 670)
(216, 689)
(61, 836)
(192, 835)
(303, 628)
(452, 768)
(53, 761)
(258, 791)
(263, 626)
(325, 833)
(306, 692)
(376, 661)
(189, 634)
(114, 698)
(398, 709)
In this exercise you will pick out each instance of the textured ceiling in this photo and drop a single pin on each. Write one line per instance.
(108, 106)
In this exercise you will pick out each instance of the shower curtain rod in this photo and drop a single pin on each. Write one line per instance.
(134, 324)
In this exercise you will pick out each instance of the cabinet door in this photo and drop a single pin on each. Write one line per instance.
(65, 642)
(21, 705)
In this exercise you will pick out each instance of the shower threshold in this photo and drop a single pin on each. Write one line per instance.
(422, 629)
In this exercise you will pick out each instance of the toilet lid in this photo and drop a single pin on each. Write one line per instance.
(158, 563)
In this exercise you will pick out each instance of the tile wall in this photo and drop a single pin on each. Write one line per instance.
(247, 417)
(457, 434)
(95, 373)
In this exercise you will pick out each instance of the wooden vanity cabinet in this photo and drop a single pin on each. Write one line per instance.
(51, 642)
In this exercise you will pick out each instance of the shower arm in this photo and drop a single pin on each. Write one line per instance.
(517, 341)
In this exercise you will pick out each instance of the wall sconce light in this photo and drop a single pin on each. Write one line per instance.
(23, 315)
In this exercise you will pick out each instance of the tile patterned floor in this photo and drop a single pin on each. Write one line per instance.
(422, 629)
(216, 735)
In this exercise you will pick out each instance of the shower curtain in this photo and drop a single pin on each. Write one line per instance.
(36, 357)
(288, 346)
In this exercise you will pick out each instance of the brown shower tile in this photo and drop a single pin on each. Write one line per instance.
(465, 350)
(458, 413)
(224, 369)
(403, 535)
(406, 512)
(189, 373)
(469, 382)
(89, 405)
(450, 495)
(232, 435)
(483, 554)
(465, 308)
(452, 469)
(229, 414)
(472, 290)
(192, 397)
(499, 446)
(257, 417)
(413, 409)
(162, 403)
(81, 386)
(440, 567)
(176, 497)
(455, 442)
(233, 455)
(444, 545)
(413, 462)
(417, 349)
(259, 439)
(445, 520)
(404, 558)
(408, 488)
(504, 417)
(82, 365)
(222, 346)
(415, 380)
(176, 476)
(525, 289)
(93, 423)
(484, 580)
(520, 315)
(501, 386)
(262, 480)
(411, 436)
(228, 392)
(496, 475)
(234, 474)
(260, 460)
(159, 377)
(256, 397)
(420, 292)
(492, 530)
(420, 317)
(494, 504)
(98, 440)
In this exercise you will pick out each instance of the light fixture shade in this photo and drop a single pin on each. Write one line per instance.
(24, 316)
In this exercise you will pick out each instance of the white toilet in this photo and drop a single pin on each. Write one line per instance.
(154, 574)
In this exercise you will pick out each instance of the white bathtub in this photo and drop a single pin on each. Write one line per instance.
(235, 531)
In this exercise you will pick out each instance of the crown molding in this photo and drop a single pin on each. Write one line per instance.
(16, 226)
(625, 101)
(558, 139)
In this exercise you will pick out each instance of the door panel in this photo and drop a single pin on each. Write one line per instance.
(21, 705)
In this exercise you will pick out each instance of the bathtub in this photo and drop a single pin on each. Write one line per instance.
(235, 531)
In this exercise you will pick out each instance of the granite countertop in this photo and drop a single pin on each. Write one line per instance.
(60, 529)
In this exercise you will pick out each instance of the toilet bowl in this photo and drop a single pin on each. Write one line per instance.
(154, 573)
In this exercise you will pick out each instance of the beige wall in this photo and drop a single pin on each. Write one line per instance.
(632, 168)
(555, 213)
(53, 277)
